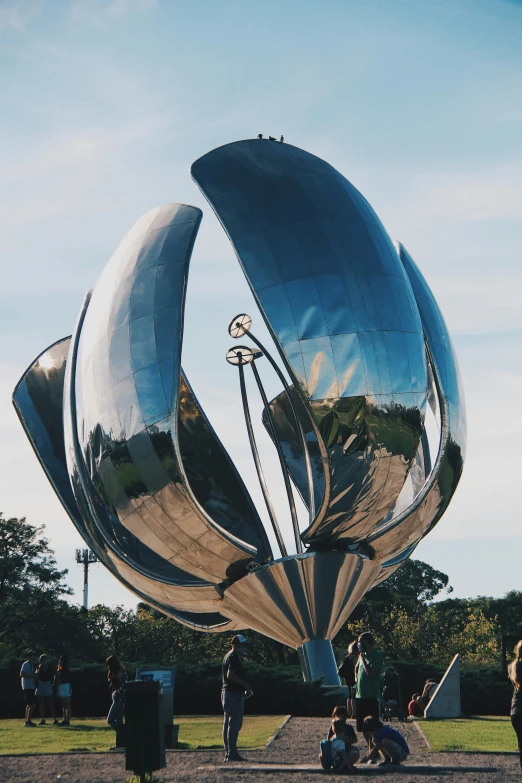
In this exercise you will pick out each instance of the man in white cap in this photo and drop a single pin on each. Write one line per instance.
(234, 690)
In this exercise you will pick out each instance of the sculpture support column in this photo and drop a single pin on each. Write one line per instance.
(317, 660)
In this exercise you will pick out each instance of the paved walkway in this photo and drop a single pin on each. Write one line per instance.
(292, 756)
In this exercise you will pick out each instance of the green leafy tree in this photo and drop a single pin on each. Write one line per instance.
(30, 582)
(147, 635)
(400, 600)
(416, 583)
(113, 630)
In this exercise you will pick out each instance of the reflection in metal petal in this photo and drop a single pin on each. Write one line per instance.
(416, 521)
(38, 400)
(148, 460)
(333, 294)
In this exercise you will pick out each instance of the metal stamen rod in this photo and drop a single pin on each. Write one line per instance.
(257, 461)
(277, 442)
(245, 329)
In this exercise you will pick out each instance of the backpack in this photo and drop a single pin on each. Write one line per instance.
(326, 753)
(347, 671)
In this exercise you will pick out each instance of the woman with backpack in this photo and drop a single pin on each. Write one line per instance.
(347, 671)
(117, 677)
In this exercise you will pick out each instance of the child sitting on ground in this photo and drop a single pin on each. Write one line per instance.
(338, 751)
(415, 709)
(385, 740)
(341, 713)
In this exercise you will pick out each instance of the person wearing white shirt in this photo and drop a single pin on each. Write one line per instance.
(28, 679)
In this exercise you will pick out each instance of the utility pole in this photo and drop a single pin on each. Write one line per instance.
(86, 557)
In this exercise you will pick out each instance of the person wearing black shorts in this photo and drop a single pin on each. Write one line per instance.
(368, 680)
(28, 680)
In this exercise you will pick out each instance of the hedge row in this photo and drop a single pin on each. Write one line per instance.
(484, 690)
(197, 691)
(277, 690)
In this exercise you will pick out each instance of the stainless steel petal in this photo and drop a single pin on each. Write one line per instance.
(341, 310)
(38, 400)
(405, 530)
(302, 597)
(155, 468)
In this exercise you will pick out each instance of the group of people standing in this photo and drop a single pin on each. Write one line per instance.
(41, 683)
(361, 670)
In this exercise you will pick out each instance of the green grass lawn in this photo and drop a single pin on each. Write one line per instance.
(93, 734)
(486, 732)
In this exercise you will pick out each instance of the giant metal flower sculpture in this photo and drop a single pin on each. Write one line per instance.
(363, 349)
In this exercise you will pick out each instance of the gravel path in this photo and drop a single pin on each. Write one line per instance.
(292, 756)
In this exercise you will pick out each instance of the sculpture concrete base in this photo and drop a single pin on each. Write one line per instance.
(445, 702)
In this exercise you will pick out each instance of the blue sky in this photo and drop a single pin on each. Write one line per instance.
(105, 104)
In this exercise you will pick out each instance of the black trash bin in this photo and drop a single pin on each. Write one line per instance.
(145, 738)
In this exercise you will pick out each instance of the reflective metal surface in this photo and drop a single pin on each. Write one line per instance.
(155, 469)
(303, 597)
(145, 479)
(317, 660)
(340, 308)
(38, 400)
(407, 529)
(239, 326)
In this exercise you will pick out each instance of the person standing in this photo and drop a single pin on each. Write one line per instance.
(62, 685)
(347, 671)
(515, 675)
(44, 689)
(117, 677)
(368, 680)
(28, 679)
(234, 689)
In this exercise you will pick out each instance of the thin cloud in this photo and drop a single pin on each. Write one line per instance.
(101, 14)
(488, 194)
(19, 14)
(79, 148)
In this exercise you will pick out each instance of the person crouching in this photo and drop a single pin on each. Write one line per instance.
(337, 753)
(350, 738)
(385, 741)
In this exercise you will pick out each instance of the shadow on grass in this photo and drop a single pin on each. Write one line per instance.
(483, 718)
(86, 727)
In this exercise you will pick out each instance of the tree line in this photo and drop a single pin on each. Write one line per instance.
(411, 614)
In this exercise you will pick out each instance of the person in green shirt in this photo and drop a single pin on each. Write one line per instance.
(368, 679)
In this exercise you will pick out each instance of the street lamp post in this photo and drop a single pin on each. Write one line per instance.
(86, 557)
